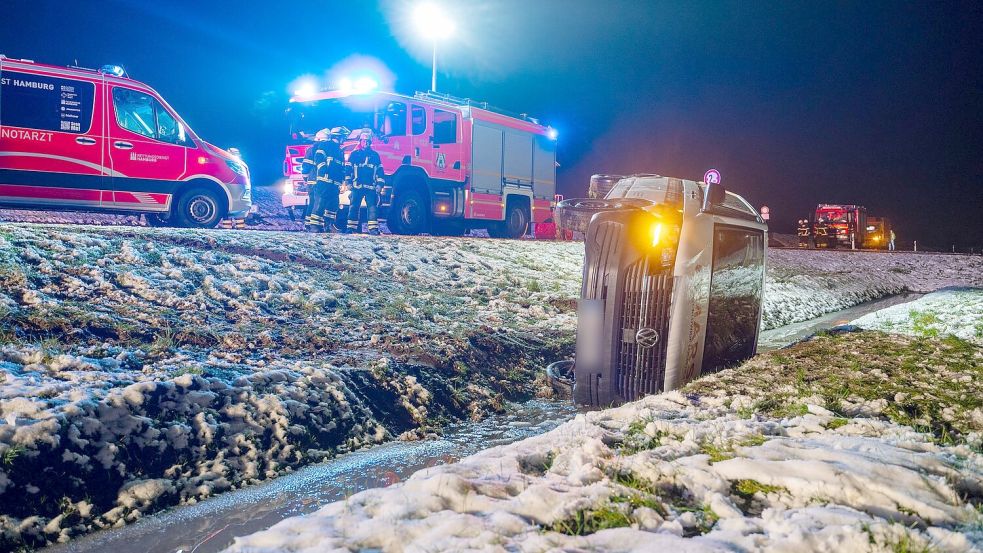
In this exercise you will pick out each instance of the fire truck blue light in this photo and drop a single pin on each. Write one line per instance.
(552, 133)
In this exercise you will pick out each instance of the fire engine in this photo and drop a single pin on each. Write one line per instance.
(451, 164)
(840, 226)
(87, 140)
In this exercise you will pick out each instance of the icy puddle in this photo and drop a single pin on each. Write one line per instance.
(212, 524)
(782, 336)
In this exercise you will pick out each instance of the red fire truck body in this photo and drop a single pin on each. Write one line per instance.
(840, 226)
(80, 139)
(450, 164)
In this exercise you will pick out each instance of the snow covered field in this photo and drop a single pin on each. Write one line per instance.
(862, 442)
(951, 311)
(142, 368)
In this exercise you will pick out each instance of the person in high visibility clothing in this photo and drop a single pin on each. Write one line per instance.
(890, 245)
(367, 181)
(324, 173)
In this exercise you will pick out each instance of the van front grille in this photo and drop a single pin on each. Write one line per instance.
(647, 294)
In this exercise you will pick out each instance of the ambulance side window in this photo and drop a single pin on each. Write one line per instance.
(135, 111)
(143, 114)
(444, 127)
(419, 120)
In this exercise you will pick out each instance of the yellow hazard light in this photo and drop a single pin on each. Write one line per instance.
(656, 234)
(443, 208)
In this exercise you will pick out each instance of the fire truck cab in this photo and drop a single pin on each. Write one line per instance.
(80, 139)
(450, 164)
(842, 226)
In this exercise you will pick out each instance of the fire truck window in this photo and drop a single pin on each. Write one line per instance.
(444, 127)
(735, 296)
(46, 103)
(394, 123)
(135, 111)
(419, 120)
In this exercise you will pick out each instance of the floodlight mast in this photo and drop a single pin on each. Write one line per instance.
(433, 24)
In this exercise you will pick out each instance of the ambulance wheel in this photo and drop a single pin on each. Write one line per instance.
(515, 225)
(409, 213)
(198, 207)
(159, 219)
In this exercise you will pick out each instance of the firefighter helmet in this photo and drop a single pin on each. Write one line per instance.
(321, 135)
(366, 138)
(340, 132)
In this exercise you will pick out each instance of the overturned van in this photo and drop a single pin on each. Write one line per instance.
(672, 285)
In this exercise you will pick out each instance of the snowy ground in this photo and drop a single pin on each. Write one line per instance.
(951, 311)
(142, 368)
(859, 442)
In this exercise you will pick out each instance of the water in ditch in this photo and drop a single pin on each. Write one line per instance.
(211, 525)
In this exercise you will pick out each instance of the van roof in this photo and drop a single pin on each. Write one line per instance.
(71, 69)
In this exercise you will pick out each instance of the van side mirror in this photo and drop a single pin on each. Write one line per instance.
(715, 194)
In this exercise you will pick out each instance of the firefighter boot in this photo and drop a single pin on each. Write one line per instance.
(314, 223)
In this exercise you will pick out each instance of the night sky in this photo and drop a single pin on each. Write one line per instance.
(796, 103)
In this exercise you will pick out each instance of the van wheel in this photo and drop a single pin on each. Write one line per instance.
(159, 219)
(409, 213)
(198, 207)
(515, 225)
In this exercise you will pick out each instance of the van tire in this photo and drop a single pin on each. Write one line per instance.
(159, 219)
(409, 213)
(198, 207)
(515, 225)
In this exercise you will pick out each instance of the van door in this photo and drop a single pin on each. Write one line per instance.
(50, 144)
(149, 150)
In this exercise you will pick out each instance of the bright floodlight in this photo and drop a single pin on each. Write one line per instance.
(433, 23)
(365, 84)
(551, 132)
(306, 90)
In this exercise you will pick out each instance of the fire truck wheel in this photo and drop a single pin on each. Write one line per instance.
(408, 213)
(515, 225)
(199, 207)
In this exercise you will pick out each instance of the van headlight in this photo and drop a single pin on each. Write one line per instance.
(237, 167)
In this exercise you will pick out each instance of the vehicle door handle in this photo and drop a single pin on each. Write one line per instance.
(120, 145)
(85, 141)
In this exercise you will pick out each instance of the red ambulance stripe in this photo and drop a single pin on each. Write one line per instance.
(49, 192)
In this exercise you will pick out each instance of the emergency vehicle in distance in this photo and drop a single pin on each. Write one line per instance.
(843, 226)
(450, 164)
(85, 140)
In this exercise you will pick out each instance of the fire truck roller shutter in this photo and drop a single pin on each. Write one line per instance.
(486, 158)
(544, 168)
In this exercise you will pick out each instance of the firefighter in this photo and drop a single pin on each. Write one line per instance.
(890, 245)
(803, 231)
(324, 172)
(367, 180)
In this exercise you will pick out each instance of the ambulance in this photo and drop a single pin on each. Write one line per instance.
(451, 164)
(79, 139)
